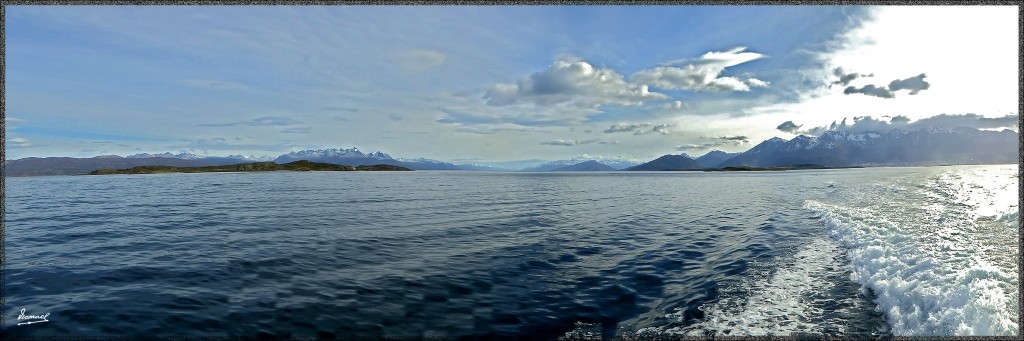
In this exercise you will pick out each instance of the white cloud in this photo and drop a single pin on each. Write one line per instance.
(971, 67)
(757, 83)
(702, 74)
(19, 142)
(571, 82)
(569, 143)
(639, 128)
(674, 105)
(420, 59)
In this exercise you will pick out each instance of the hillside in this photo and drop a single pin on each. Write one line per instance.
(667, 162)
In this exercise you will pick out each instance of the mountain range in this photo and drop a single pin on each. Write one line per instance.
(591, 165)
(615, 164)
(834, 148)
(928, 146)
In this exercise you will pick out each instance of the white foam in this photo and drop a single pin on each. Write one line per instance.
(780, 304)
(923, 289)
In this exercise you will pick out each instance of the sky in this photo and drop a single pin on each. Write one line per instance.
(482, 84)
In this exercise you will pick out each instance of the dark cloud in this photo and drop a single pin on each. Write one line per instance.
(262, 121)
(740, 139)
(846, 78)
(914, 84)
(789, 126)
(869, 90)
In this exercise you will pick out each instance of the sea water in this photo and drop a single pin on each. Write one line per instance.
(548, 255)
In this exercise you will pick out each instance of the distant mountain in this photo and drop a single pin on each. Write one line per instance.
(71, 166)
(585, 166)
(616, 164)
(355, 157)
(265, 166)
(352, 157)
(928, 146)
(338, 156)
(713, 158)
(190, 156)
(667, 162)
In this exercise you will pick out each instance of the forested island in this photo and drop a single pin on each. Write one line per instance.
(250, 167)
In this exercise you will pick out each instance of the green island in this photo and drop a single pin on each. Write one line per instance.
(250, 167)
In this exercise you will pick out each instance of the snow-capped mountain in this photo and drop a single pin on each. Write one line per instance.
(587, 166)
(926, 146)
(552, 165)
(353, 157)
(330, 153)
(183, 156)
(191, 156)
(340, 156)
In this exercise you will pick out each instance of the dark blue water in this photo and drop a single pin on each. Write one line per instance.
(427, 253)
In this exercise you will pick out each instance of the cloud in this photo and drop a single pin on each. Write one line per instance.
(914, 84)
(863, 124)
(674, 105)
(846, 78)
(869, 90)
(757, 83)
(19, 142)
(702, 74)
(568, 143)
(296, 130)
(576, 83)
(420, 59)
(639, 128)
(212, 84)
(788, 127)
(686, 147)
(734, 139)
(715, 141)
(262, 121)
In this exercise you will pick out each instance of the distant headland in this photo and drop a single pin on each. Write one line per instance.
(250, 167)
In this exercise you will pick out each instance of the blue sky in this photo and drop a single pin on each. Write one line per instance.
(486, 84)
